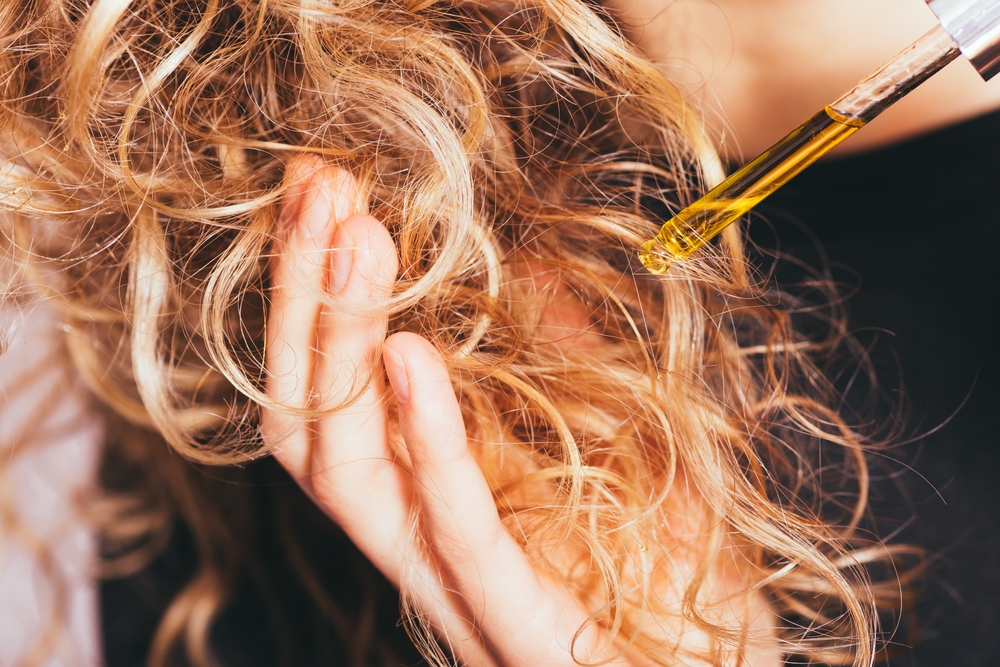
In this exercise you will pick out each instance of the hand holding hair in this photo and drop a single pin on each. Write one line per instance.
(678, 486)
(484, 598)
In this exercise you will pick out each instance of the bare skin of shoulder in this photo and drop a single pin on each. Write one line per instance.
(758, 68)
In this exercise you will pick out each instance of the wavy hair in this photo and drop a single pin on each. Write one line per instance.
(142, 149)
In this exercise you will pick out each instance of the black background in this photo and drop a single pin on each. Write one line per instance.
(915, 228)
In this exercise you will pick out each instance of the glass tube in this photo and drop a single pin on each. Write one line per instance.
(694, 226)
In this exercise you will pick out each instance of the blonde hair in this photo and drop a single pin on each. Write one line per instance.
(143, 145)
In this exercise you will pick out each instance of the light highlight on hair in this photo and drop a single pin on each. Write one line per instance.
(143, 145)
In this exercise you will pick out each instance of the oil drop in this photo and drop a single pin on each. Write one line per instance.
(695, 225)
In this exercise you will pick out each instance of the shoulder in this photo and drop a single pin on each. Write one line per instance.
(761, 68)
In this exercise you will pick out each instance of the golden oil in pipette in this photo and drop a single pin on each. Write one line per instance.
(694, 226)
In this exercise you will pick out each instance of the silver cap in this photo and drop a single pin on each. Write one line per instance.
(975, 27)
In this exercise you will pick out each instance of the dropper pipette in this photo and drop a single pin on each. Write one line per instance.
(969, 27)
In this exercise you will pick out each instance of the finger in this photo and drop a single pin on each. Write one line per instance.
(325, 357)
(353, 327)
(318, 199)
(523, 618)
(355, 476)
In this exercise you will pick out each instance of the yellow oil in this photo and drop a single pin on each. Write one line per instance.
(694, 226)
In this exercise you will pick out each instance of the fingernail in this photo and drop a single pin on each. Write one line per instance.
(328, 198)
(315, 209)
(298, 173)
(341, 260)
(396, 370)
(343, 192)
(291, 207)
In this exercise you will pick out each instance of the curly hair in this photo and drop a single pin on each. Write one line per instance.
(143, 145)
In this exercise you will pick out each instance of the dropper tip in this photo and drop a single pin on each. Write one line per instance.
(655, 257)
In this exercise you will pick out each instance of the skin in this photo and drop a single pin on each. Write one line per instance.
(758, 68)
(472, 579)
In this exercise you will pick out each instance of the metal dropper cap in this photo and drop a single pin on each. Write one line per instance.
(975, 27)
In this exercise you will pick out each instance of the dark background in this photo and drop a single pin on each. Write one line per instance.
(914, 228)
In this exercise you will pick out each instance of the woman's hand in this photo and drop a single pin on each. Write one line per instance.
(466, 574)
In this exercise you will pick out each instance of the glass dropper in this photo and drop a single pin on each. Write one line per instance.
(694, 226)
